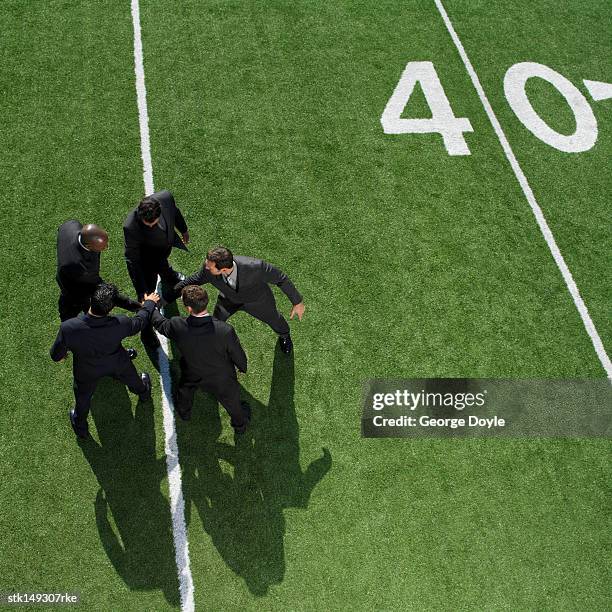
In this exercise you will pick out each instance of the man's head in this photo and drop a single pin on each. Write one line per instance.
(195, 299)
(219, 261)
(149, 211)
(94, 238)
(103, 299)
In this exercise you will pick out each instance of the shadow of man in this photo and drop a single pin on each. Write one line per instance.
(240, 491)
(132, 515)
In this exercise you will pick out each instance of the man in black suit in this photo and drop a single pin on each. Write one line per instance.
(78, 268)
(95, 341)
(210, 353)
(150, 233)
(243, 284)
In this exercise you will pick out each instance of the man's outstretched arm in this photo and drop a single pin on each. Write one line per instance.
(141, 319)
(274, 276)
(127, 303)
(201, 277)
(161, 324)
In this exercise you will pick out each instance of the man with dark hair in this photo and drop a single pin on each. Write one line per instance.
(150, 233)
(243, 284)
(78, 268)
(210, 353)
(95, 341)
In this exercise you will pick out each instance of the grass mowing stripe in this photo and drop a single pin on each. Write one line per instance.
(177, 504)
(537, 211)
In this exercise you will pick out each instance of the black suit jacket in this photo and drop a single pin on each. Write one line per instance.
(95, 342)
(210, 349)
(78, 270)
(138, 253)
(254, 276)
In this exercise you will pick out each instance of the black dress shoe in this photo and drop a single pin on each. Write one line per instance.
(145, 396)
(80, 433)
(286, 344)
(132, 354)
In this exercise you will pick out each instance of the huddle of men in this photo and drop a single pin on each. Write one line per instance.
(210, 349)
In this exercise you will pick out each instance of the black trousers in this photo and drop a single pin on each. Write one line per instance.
(84, 390)
(72, 304)
(264, 309)
(227, 394)
(169, 278)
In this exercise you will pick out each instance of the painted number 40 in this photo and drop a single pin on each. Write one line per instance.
(451, 128)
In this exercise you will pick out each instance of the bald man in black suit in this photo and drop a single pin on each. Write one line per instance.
(78, 268)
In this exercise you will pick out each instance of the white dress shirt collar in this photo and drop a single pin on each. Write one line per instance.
(81, 243)
(200, 315)
(232, 278)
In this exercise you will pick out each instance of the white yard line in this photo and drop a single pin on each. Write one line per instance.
(537, 211)
(177, 504)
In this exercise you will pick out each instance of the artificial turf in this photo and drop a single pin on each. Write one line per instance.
(265, 123)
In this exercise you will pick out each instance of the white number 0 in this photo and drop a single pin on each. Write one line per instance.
(585, 135)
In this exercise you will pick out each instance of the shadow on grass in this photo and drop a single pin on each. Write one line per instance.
(132, 515)
(241, 491)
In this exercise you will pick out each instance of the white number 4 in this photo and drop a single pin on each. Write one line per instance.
(442, 121)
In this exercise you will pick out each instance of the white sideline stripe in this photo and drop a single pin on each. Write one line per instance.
(177, 503)
(537, 211)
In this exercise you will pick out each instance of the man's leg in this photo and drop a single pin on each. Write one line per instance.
(149, 339)
(229, 397)
(139, 384)
(224, 309)
(83, 392)
(169, 277)
(184, 398)
(265, 310)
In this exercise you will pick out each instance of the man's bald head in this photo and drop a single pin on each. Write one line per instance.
(94, 238)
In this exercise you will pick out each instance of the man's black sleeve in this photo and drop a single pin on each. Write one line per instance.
(132, 325)
(127, 303)
(134, 264)
(236, 352)
(161, 324)
(199, 278)
(274, 276)
(59, 350)
(179, 221)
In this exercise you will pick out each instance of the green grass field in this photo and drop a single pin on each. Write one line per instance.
(265, 124)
